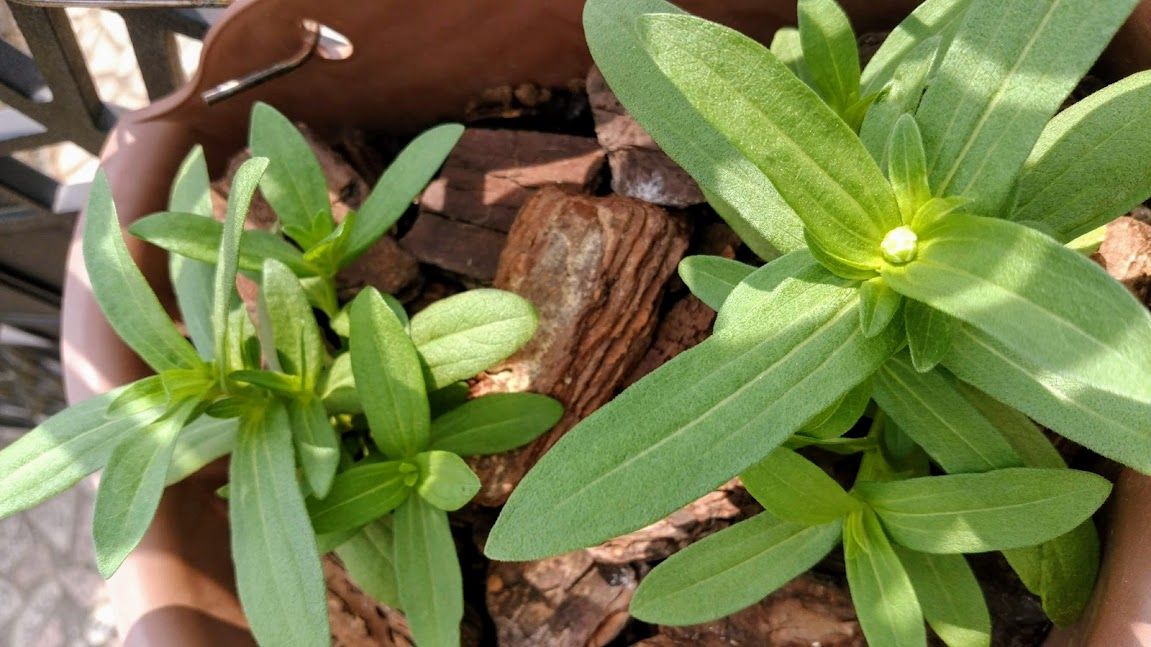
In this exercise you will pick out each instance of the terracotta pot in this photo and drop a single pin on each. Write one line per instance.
(414, 64)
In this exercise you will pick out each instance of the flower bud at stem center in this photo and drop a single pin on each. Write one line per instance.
(900, 246)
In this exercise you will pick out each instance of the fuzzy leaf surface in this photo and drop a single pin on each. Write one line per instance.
(712, 278)
(369, 555)
(495, 423)
(732, 569)
(359, 495)
(192, 280)
(794, 489)
(811, 156)
(187, 234)
(428, 573)
(294, 185)
(889, 611)
(950, 597)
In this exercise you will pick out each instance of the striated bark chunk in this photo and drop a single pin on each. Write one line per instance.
(595, 269)
(1126, 253)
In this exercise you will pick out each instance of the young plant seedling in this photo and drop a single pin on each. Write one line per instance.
(923, 266)
(306, 475)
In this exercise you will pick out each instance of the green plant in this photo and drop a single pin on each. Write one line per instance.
(346, 442)
(923, 266)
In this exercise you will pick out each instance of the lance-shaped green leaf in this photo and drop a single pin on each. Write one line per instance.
(361, 494)
(284, 308)
(931, 19)
(830, 53)
(63, 449)
(878, 305)
(733, 185)
(338, 391)
(837, 419)
(466, 333)
(970, 513)
(369, 555)
(405, 178)
(389, 378)
(317, 443)
(192, 280)
(1085, 170)
(139, 396)
(1010, 66)
(122, 292)
(278, 572)
(244, 184)
(950, 597)
(794, 489)
(734, 568)
(294, 185)
(446, 481)
(884, 598)
(929, 334)
(1011, 282)
(1109, 422)
(202, 441)
(428, 573)
(907, 168)
(131, 485)
(811, 156)
(712, 278)
(786, 46)
(901, 97)
(495, 423)
(796, 351)
(929, 408)
(1061, 571)
(195, 237)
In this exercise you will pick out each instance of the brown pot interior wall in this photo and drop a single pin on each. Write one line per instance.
(414, 64)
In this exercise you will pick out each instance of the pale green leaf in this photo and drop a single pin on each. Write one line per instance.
(878, 305)
(428, 573)
(63, 449)
(884, 598)
(388, 375)
(338, 390)
(730, 570)
(298, 344)
(1061, 571)
(361, 494)
(712, 278)
(369, 556)
(789, 354)
(789, 50)
(907, 168)
(195, 237)
(202, 441)
(811, 156)
(317, 443)
(830, 53)
(464, 334)
(1087, 167)
(400, 184)
(494, 423)
(123, 294)
(1058, 315)
(224, 287)
(734, 186)
(930, 409)
(278, 572)
(139, 396)
(950, 597)
(900, 97)
(837, 419)
(294, 185)
(192, 280)
(1008, 69)
(446, 481)
(131, 485)
(931, 19)
(968, 513)
(794, 489)
(929, 334)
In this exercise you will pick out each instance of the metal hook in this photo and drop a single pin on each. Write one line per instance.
(232, 87)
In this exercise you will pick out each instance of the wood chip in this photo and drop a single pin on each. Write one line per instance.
(639, 169)
(458, 247)
(595, 268)
(566, 601)
(806, 611)
(1126, 254)
(491, 173)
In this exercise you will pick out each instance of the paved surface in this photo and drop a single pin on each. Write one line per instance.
(50, 593)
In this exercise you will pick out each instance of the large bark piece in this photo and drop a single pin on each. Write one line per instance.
(806, 611)
(566, 601)
(595, 269)
(639, 168)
